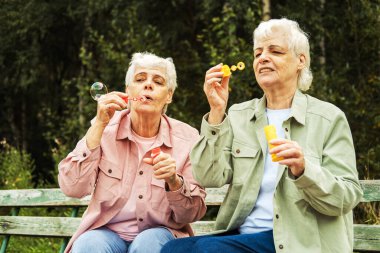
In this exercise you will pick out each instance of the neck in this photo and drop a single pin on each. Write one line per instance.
(145, 125)
(279, 100)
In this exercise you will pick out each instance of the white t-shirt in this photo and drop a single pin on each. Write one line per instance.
(261, 217)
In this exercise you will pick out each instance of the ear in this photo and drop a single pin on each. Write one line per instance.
(169, 98)
(302, 61)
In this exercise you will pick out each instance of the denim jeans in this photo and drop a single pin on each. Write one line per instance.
(104, 240)
(231, 242)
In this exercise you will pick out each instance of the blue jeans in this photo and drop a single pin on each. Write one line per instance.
(104, 240)
(231, 242)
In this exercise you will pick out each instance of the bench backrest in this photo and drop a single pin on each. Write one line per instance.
(366, 237)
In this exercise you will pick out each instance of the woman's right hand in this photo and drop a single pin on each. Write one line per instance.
(108, 104)
(216, 90)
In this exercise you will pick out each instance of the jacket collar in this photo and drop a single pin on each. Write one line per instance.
(298, 107)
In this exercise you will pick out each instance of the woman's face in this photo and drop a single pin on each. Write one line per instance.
(275, 65)
(152, 84)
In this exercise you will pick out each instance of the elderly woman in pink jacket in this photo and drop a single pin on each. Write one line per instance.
(139, 201)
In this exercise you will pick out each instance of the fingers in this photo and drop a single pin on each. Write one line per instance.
(148, 160)
(113, 98)
(164, 166)
(216, 68)
(165, 172)
(292, 153)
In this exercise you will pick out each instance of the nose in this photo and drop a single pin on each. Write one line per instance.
(148, 85)
(263, 58)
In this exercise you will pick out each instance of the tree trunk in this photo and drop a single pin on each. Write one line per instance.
(266, 10)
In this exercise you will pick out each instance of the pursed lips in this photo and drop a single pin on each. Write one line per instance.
(147, 97)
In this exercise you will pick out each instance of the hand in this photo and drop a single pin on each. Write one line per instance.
(216, 90)
(108, 104)
(292, 153)
(164, 167)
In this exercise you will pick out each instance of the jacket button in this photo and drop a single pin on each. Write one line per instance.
(286, 129)
(140, 196)
(277, 216)
(140, 219)
(141, 172)
(238, 151)
(110, 171)
(213, 132)
(84, 154)
(281, 246)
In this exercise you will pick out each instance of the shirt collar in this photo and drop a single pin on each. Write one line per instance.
(298, 107)
(163, 137)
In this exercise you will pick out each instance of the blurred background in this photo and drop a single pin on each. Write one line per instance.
(52, 51)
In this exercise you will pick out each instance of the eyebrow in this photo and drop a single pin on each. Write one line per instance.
(154, 75)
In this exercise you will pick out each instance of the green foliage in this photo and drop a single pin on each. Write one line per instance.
(16, 168)
(51, 52)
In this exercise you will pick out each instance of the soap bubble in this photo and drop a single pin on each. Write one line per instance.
(97, 90)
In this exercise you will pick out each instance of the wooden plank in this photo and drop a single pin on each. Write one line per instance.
(367, 237)
(54, 197)
(39, 198)
(203, 227)
(371, 190)
(38, 226)
(215, 196)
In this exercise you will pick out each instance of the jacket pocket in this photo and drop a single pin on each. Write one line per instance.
(244, 158)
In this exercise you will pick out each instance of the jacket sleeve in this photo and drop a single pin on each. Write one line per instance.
(210, 156)
(78, 171)
(188, 202)
(332, 187)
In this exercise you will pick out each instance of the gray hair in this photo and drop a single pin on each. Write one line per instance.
(149, 60)
(297, 41)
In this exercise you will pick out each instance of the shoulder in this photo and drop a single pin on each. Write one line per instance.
(249, 105)
(181, 129)
(319, 108)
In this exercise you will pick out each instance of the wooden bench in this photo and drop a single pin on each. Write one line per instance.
(366, 237)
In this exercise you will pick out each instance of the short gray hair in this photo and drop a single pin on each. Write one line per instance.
(149, 60)
(297, 41)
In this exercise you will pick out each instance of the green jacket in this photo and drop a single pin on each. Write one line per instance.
(312, 213)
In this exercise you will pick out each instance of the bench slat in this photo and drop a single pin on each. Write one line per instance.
(367, 237)
(38, 226)
(54, 197)
(371, 189)
(39, 198)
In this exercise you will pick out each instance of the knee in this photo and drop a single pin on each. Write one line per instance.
(85, 243)
(150, 240)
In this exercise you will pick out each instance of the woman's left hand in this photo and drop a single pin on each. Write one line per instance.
(164, 167)
(292, 153)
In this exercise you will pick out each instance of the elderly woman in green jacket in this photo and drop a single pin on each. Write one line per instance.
(304, 201)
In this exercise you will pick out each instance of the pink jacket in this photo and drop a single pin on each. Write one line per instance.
(108, 173)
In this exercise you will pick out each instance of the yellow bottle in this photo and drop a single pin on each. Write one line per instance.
(270, 134)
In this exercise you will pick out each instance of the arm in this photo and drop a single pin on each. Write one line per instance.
(211, 155)
(333, 188)
(78, 171)
(210, 166)
(188, 202)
